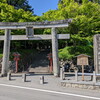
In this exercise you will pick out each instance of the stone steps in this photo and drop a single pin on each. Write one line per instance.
(39, 69)
(40, 63)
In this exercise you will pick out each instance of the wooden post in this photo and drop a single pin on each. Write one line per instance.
(6, 51)
(16, 66)
(82, 72)
(56, 68)
(82, 60)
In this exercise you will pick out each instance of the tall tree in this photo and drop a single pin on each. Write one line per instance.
(86, 23)
(19, 4)
(80, 1)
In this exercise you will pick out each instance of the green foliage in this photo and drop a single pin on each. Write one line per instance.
(19, 4)
(1, 54)
(65, 53)
(9, 14)
(70, 52)
(86, 23)
(23, 53)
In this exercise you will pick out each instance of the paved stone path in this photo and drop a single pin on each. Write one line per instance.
(40, 62)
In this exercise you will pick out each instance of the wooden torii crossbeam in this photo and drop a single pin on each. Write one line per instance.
(29, 35)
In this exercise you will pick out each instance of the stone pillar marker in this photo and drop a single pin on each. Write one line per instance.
(6, 51)
(96, 43)
(24, 77)
(41, 79)
(76, 76)
(62, 76)
(9, 76)
(55, 52)
(94, 77)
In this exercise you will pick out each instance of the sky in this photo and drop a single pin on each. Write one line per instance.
(42, 6)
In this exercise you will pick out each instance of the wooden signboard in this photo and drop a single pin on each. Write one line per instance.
(82, 60)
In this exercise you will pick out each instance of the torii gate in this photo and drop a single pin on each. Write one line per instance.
(30, 26)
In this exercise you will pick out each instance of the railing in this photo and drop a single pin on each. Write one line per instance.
(63, 75)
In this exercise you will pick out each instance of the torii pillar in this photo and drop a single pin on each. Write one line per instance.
(6, 50)
(56, 66)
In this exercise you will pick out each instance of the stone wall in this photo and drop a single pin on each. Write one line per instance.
(80, 85)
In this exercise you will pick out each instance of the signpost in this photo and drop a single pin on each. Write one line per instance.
(82, 60)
